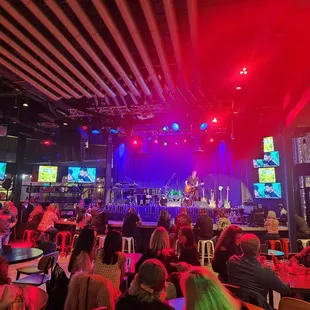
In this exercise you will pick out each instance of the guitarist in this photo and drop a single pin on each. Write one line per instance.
(193, 181)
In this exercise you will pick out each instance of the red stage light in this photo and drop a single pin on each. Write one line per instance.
(244, 69)
(238, 87)
(84, 127)
(185, 140)
(211, 140)
(241, 72)
(47, 142)
(214, 120)
(135, 142)
(245, 72)
(156, 141)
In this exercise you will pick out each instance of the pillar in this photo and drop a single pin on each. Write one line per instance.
(108, 171)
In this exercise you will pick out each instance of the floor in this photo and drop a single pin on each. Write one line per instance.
(64, 261)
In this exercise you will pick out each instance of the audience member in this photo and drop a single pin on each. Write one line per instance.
(87, 292)
(227, 246)
(14, 210)
(11, 296)
(202, 290)
(35, 217)
(272, 226)
(188, 250)
(182, 219)
(99, 220)
(302, 228)
(83, 254)
(147, 290)
(283, 214)
(302, 258)
(223, 221)
(110, 261)
(83, 218)
(247, 272)
(204, 226)
(130, 223)
(160, 249)
(7, 221)
(25, 210)
(164, 220)
(50, 216)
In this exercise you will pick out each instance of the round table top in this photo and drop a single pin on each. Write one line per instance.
(20, 255)
(178, 304)
(275, 253)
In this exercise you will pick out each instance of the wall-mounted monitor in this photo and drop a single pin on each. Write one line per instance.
(81, 175)
(268, 144)
(266, 175)
(271, 159)
(267, 190)
(47, 173)
(2, 171)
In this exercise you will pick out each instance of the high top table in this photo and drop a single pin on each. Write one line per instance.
(21, 255)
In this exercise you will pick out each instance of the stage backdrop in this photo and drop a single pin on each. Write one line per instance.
(157, 164)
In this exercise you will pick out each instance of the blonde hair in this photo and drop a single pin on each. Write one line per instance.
(202, 290)
(272, 215)
(100, 292)
(160, 240)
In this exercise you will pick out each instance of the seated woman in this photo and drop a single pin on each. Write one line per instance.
(188, 250)
(35, 217)
(110, 261)
(147, 290)
(82, 219)
(164, 220)
(302, 258)
(202, 290)
(83, 254)
(159, 249)
(88, 292)
(11, 295)
(272, 226)
(227, 246)
(50, 216)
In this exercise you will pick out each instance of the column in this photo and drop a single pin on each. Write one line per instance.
(108, 171)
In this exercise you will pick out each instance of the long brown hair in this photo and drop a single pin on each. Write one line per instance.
(228, 239)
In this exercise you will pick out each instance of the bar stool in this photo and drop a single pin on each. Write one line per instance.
(274, 244)
(100, 241)
(210, 250)
(28, 235)
(62, 245)
(130, 243)
(304, 242)
(285, 245)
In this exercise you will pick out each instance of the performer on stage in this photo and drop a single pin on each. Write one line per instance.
(193, 181)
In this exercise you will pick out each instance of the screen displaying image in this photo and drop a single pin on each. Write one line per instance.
(2, 171)
(81, 175)
(271, 159)
(268, 144)
(47, 173)
(266, 175)
(267, 190)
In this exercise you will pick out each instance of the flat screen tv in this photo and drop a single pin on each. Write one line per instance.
(267, 190)
(271, 159)
(47, 173)
(267, 175)
(81, 175)
(268, 144)
(2, 171)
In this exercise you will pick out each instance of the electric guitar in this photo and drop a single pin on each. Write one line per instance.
(203, 198)
(227, 202)
(212, 204)
(190, 188)
(220, 202)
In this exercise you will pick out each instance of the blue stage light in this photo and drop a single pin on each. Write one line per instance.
(165, 128)
(113, 130)
(175, 126)
(203, 126)
(95, 132)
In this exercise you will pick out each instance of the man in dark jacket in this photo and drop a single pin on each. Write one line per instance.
(204, 226)
(99, 220)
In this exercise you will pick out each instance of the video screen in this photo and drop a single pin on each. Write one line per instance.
(271, 159)
(47, 173)
(268, 144)
(267, 175)
(81, 175)
(2, 171)
(267, 190)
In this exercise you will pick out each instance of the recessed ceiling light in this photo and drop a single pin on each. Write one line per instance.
(65, 124)
(25, 105)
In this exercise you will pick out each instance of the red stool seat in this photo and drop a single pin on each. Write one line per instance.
(28, 236)
(61, 239)
(285, 245)
(274, 244)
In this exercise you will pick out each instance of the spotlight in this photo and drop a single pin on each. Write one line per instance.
(165, 128)
(175, 126)
(25, 105)
(244, 71)
(95, 132)
(65, 124)
(241, 72)
(135, 142)
(185, 140)
(165, 143)
(211, 140)
(214, 120)
(156, 141)
(203, 126)
(46, 142)
(84, 128)
(114, 131)
(176, 143)
(238, 87)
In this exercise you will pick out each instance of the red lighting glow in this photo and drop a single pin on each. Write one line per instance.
(47, 142)
(135, 142)
(84, 127)
(214, 120)
(238, 87)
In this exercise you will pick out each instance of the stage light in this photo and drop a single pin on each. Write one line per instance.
(114, 131)
(245, 72)
(165, 128)
(25, 105)
(176, 143)
(65, 124)
(155, 141)
(214, 120)
(175, 126)
(238, 87)
(211, 140)
(203, 126)
(84, 128)
(95, 132)
(244, 69)
(165, 143)
(47, 142)
(241, 72)
(135, 142)
(185, 140)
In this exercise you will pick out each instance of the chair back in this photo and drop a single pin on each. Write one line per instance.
(48, 247)
(287, 303)
(48, 261)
